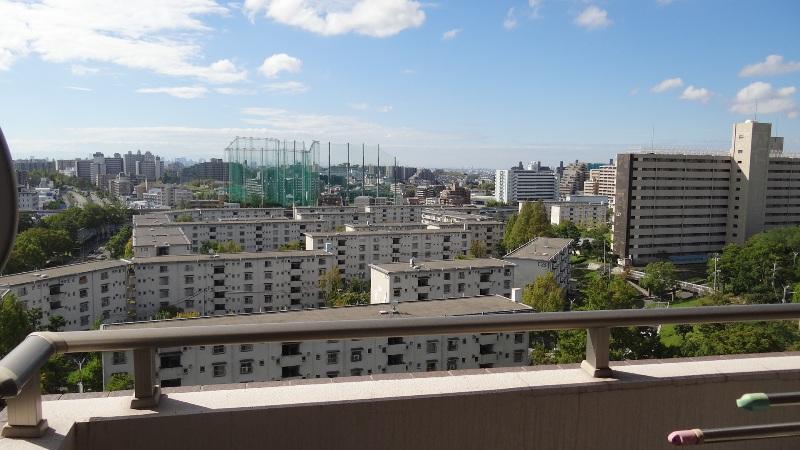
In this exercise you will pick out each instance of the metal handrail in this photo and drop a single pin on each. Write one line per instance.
(22, 364)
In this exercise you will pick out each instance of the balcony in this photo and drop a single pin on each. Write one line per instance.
(566, 407)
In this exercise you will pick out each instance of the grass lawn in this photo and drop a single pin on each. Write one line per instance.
(668, 336)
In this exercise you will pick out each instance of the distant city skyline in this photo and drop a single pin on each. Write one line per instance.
(437, 85)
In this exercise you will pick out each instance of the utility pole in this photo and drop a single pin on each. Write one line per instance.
(774, 270)
(716, 259)
(785, 290)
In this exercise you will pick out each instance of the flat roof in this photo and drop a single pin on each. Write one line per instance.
(61, 271)
(420, 308)
(172, 235)
(540, 248)
(224, 221)
(313, 234)
(229, 256)
(446, 264)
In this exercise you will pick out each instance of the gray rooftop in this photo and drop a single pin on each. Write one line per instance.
(449, 264)
(61, 271)
(540, 248)
(171, 235)
(229, 256)
(422, 308)
(313, 234)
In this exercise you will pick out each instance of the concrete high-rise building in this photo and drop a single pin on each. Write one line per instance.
(686, 206)
(602, 181)
(115, 165)
(131, 161)
(83, 168)
(572, 178)
(518, 184)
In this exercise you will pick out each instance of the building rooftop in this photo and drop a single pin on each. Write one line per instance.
(424, 308)
(378, 233)
(540, 248)
(161, 235)
(229, 256)
(477, 263)
(61, 271)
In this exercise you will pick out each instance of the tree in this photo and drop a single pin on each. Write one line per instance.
(658, 277)
(544, 294)
(217, 247)
(15, 323)
(567, 230)
(128, 252)
(478, 249)
(733, 338)
(330, 282)
(90, 372)
(119, 382)
(116, 245)
(614, 293)
(291, 246)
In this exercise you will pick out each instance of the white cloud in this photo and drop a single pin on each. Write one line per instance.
(451, 34)
(511, 20)
(409, 72)
(233, 91)
(385, 108)
(280, 62)
(184, 92)
(80, 70)
(78, 88)
(692, 93)
(153, 35)
(669, 83)
(287, 87)
(664, 2)
(593, 18)
(359, 106)
(763, 98)
(633, 92)
(363, 106)
(376, 18)
(772, 65)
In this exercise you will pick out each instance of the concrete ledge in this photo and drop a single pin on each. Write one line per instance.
(531, 407)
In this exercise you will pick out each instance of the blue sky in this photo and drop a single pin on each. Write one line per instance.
(470, 83)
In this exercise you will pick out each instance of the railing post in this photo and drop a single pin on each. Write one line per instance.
(146, 391)
(25, 412)
(596, 362)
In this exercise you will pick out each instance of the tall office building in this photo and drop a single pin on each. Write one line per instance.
(686, 206)
(533, 183)
(602, 181)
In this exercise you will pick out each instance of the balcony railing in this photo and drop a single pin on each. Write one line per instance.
(19, 370)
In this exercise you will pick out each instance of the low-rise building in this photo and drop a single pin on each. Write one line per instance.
(229, 283)
(356, 250)
(79, 293)
(157, 240)
(538, 257)
(27, 199)
(580, 213)
(425, 280)
(244, 363)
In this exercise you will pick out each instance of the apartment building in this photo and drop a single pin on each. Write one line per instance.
(245, 363)
(229, 283)
(490, 232)
(385, 226)
(394, 213)
(602, 181)
(538, 257)
(27, 199)
(157, 240)
(425, 280)
(533, 183)
(572, 178)
(356, 250)
(683, 207)
(80, 293)
(580, 213)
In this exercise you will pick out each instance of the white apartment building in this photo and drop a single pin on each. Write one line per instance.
(394, 213)
(27, 199)
(490, 232)
(686, 206)
(425, 280)
(158, 240)
(385, 226)
(518, 184)
(602, 181)
(80, 293)
(246, 363)
(580, 213)
(356, 250)
(538, 257)
(229, 283)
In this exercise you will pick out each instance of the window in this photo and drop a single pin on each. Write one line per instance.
(118, 358)
(519, 338)
(395, 360)
(248, 275)
(356, 372)
(104, 301)
(333, 357)
(187, 292)
(447, 276)
(246, 367)
(83, 279)
(163, 269)
(170, 360)
(248, 265)
(103, 275)
(84, 320)
(163, 281)
(219, 369)
(452, 364)
(290, 371)
(218, 350)
(452, 345)
(163, 293)
(430, 366)
(518, 355)
(460, 287)
(395, 341)
(356, 355)
(290, 349)
(83, 293)
(431, 346)
(188, 279)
